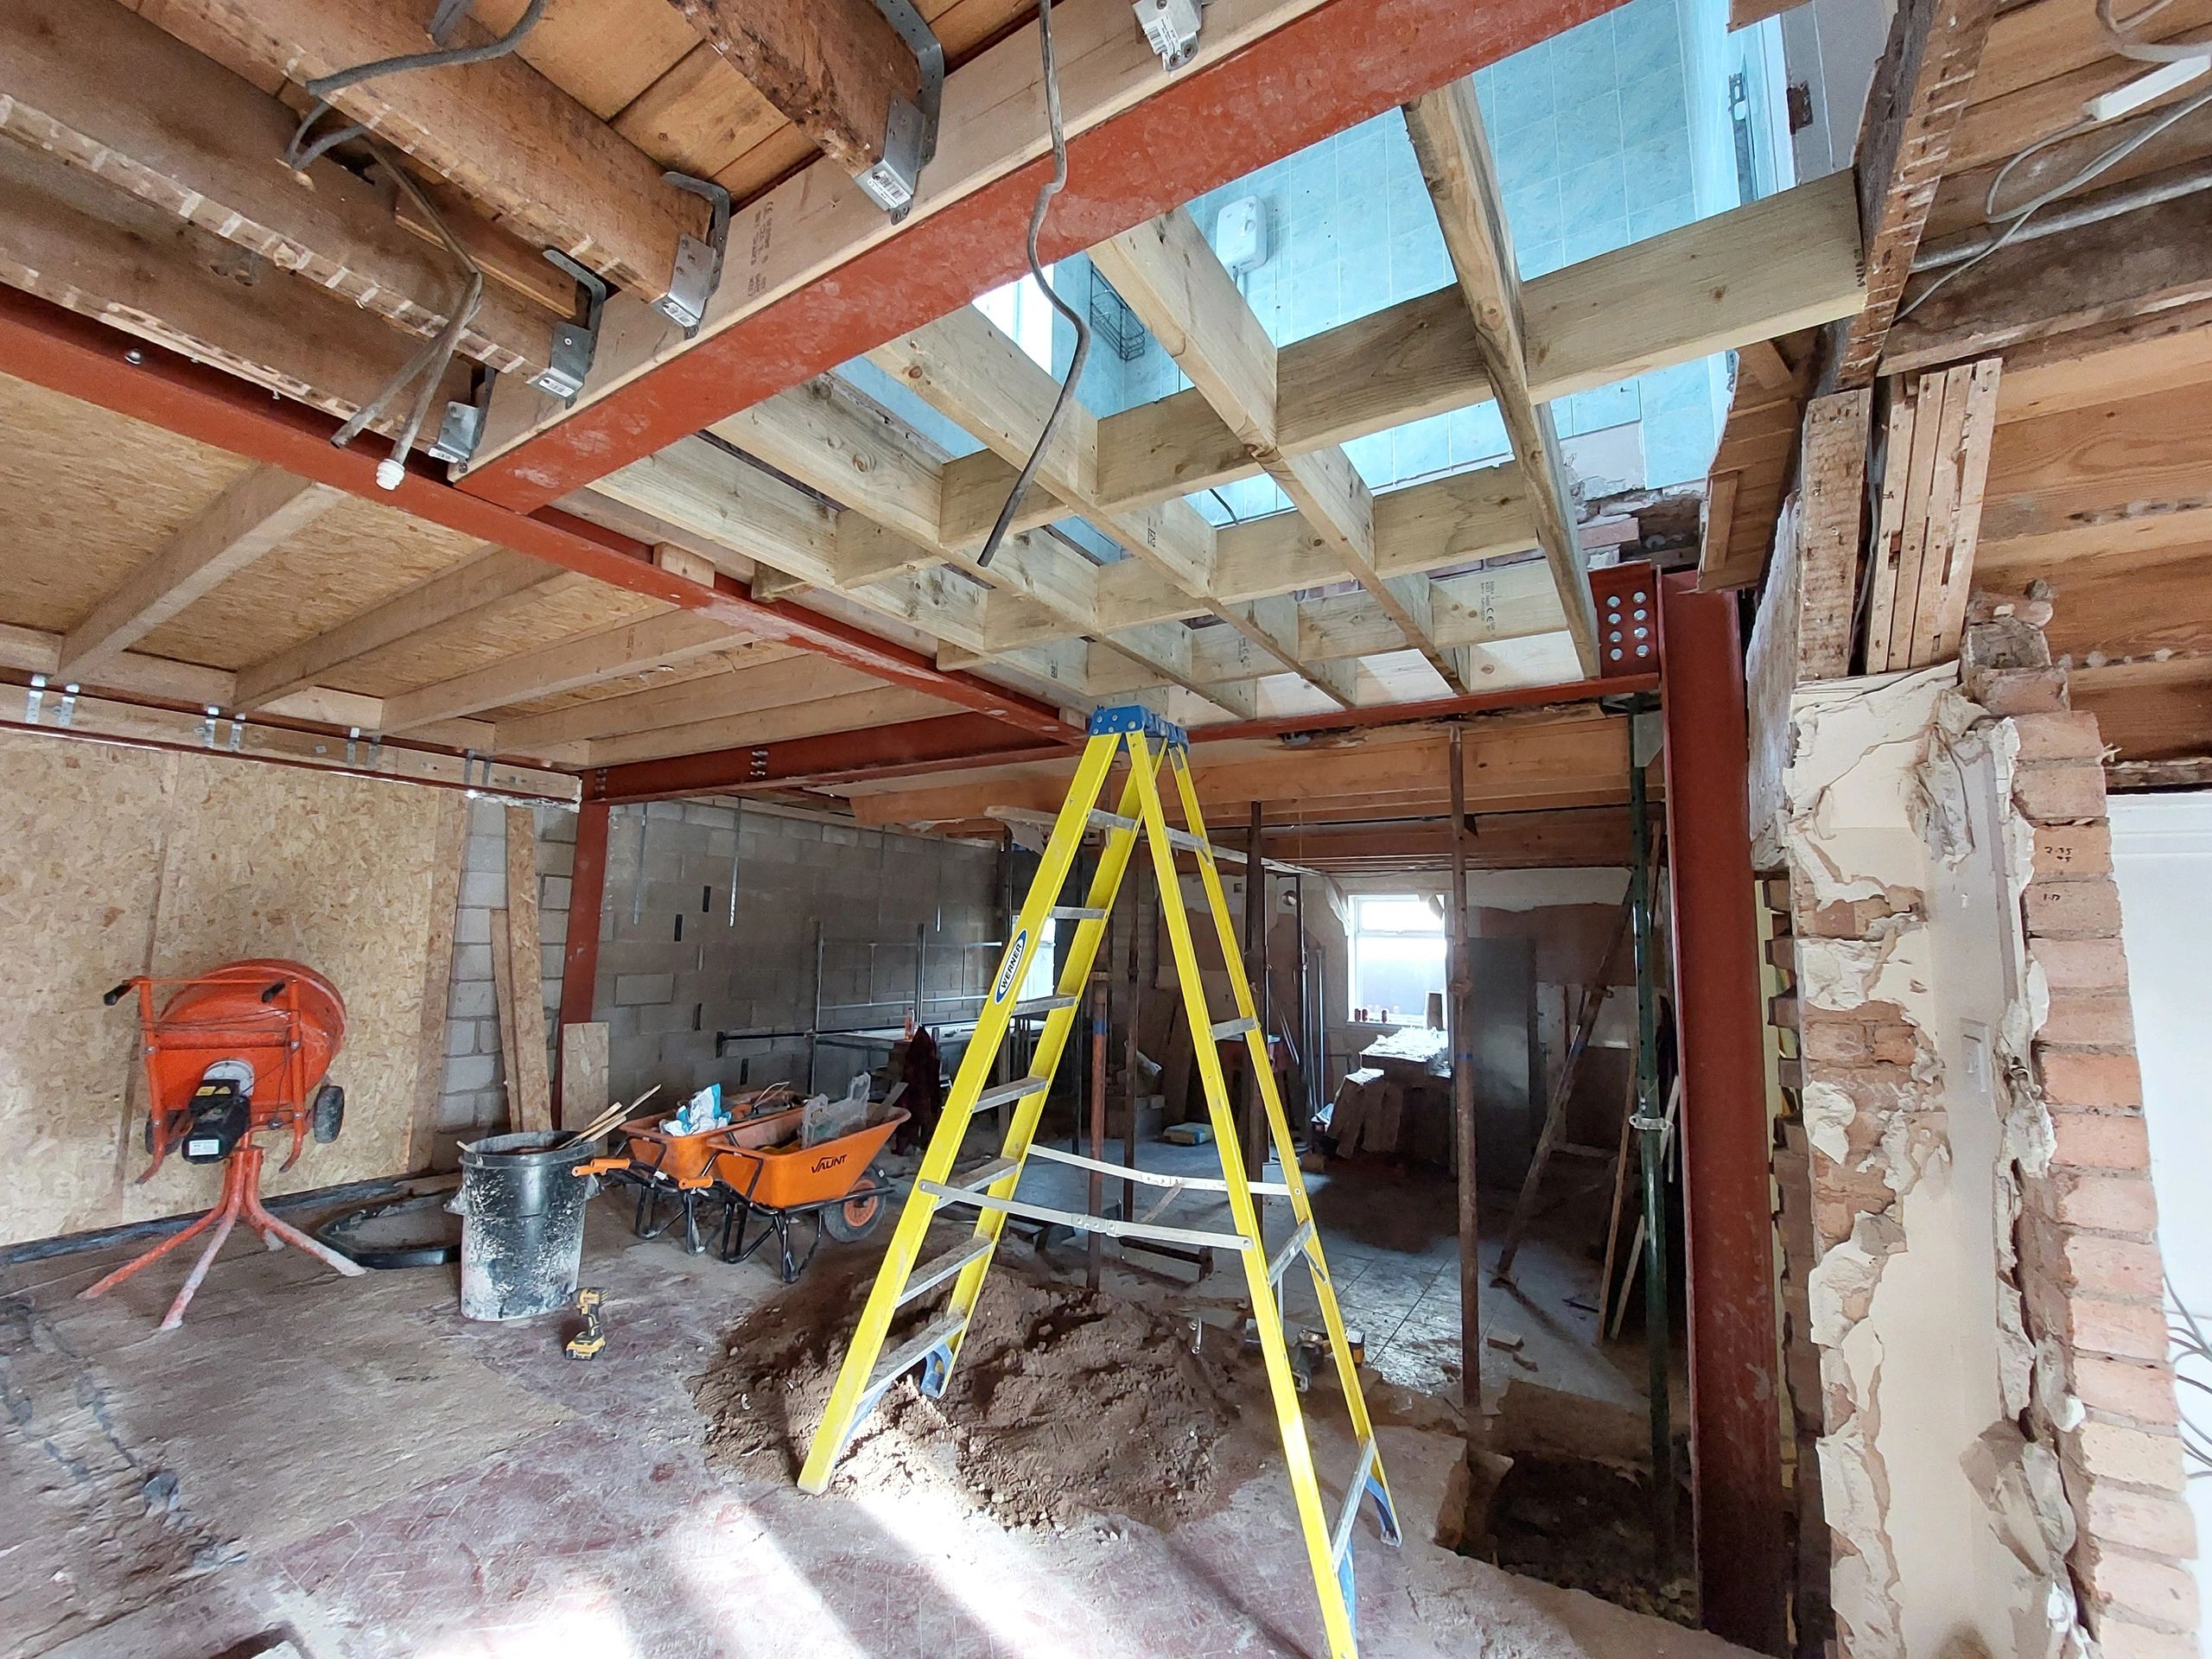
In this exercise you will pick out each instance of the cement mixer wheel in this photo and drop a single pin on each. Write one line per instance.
(328, 1115)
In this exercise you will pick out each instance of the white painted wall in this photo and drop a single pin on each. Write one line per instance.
(2162, 855)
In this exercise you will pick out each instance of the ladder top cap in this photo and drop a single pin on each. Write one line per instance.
(1134, 717)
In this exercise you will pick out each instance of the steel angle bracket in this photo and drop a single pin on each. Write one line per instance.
(575, 340)
(698, 270)
(910, 132)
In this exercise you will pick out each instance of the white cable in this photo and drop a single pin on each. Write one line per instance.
(2015, 219)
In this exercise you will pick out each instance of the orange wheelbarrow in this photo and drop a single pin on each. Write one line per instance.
(754, 1169)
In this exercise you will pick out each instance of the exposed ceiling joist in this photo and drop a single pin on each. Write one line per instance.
(504, 133)
(50, 347)
(264, 509)
(1766, 268)
(195, 140)
(1448, 135)
(818, 277)
(1167, 273)
(470, 590)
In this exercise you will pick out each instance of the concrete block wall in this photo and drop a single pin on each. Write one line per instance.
(678, 962)
(474, 1098)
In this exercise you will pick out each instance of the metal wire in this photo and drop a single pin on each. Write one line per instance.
(2015, 219)
(1052, 187)
(301, 152)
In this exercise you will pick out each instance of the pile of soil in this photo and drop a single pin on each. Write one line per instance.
(1586, 1525)
(1066, 1404)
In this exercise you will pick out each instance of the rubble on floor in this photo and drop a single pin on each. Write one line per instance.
(1066, 1403)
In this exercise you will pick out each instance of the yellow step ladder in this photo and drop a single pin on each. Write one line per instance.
(1148, 743)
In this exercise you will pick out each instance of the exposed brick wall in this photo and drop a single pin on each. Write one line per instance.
(2090, 1270)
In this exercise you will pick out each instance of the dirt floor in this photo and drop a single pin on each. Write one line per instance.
(349, 1465)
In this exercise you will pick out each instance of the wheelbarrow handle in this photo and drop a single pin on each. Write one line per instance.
(117, 993)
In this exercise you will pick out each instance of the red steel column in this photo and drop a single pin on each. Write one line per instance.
(1735, 1439)
(579, 957)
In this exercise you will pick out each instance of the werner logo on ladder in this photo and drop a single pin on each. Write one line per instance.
(1148, 743)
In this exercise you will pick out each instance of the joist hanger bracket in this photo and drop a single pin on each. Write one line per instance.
(698, 270)
(462, 429)
(574, 342)
(910, 131)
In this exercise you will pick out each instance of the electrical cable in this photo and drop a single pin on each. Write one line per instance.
(1052, 187)
(2015, 219)
(301, 152)
(430, 363)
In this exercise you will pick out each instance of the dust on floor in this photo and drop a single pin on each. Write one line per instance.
(1066, 1403)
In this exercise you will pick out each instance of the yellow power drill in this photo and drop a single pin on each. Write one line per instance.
(587, 1343)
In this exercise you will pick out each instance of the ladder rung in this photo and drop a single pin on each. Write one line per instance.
(1237, 1027)
(1154, 1178)
(1298, 1242)
(1110, 1226)
(1346, 1516)
(1184, 839)
(984, 1174)
(1079, 913)
(935, 1271)
(1101, 819)
(1006, 1094)
(911, 1353)
(1044, 1005)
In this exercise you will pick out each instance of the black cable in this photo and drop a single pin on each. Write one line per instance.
(300, 153)
(1052, 187)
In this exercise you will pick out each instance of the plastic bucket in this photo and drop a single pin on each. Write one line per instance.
(522, 1224)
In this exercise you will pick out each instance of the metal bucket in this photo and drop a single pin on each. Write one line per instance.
(522, 1224)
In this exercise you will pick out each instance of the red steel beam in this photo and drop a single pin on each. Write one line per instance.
(579, 957)
(1340, 65)
(951, 742)
(82, 358)
(945, 743)
(1735, 1440)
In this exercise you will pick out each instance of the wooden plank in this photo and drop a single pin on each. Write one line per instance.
(437, 979)
(1166, 272)
(1912, 546)
(1920, 92)
(734, 692)
(530, 1091)
(1447, 129)
(584, 1090)
(2129, 358)
(1716, 528)
(1889, 531)
(847, 711)
(263, 508)
(197, 141)
(1831, 490)
(503, 1000)
(498, 129)
(1976, 430)
(1942, 512)
(564, 666)
(469, 590)
(834, 67)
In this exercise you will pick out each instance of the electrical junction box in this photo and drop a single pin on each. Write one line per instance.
(1239, 235)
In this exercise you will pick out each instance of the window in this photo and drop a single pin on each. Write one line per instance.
(1024, 316)
(1397, 955)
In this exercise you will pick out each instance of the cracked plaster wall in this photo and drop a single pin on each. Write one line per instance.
(1917, 1005)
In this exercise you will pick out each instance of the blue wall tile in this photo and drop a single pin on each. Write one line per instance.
(1589, 132)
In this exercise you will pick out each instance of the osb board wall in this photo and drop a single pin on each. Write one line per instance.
(128, 860)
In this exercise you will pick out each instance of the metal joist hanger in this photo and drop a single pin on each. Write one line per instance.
(910, 131)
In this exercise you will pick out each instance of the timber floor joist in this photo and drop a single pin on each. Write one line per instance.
(804, 563)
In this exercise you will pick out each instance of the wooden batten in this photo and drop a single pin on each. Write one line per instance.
(1929, 521)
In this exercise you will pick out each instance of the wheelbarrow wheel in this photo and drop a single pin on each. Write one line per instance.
(329, 1113)
(856, 1218)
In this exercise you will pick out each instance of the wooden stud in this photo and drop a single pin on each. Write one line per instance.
(1831, 489)
(451, 844)
(1889, 531)
(530, 1094)
(1942, 516)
